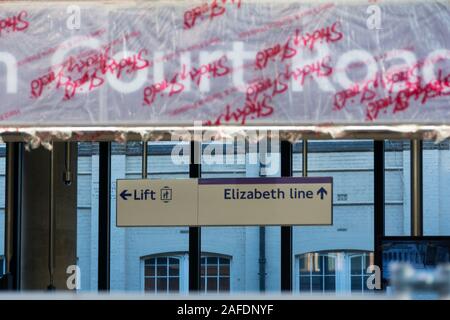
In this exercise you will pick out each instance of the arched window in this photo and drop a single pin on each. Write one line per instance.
(215, 274)
(317, 272)
(343, 271)
(162, 274)
(358, 266)
(168, 273)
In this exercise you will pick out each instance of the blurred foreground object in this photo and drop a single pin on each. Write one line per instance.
(407, 281)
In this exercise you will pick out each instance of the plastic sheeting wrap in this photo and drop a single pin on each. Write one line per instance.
(224, 62)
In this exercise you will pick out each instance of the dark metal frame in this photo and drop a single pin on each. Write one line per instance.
(14, 151)
(416, 188)
(286, 152)
(195, 245)
(104, 216)
(379, 202)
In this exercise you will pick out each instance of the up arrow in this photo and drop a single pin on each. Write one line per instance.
(322, 192)
(124, 194)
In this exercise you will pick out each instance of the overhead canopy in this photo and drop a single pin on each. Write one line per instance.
(289, 64)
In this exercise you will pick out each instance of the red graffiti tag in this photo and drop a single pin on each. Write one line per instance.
(215, 69)
(207, 11)
(415, 89)
(260, 93)
(278, 85)
(320, 68)
(253, 109)
(415, 92)
(152, 91)
(74, 74)
(14, 24)
(289, 49)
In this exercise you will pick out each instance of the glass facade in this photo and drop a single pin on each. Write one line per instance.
(326, 259)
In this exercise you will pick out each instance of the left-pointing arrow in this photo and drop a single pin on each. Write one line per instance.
(124, 194)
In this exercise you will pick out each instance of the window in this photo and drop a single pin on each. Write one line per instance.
(162, 275)
(317, 272)
(333, 272)
(358, 268)
(168, 273)
(215, 274)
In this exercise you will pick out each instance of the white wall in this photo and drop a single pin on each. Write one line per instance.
(352, 229)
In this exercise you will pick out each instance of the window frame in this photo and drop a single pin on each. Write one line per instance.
(342, 271)
(205, 256)
(363, 255)
(183, 260)
(321, 257)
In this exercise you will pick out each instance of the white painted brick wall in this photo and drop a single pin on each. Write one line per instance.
(353, 217)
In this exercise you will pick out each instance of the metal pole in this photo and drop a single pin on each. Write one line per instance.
(379, 205)
(144, 159)
(286, 231)
(51, 228)
(262, 229)
(305, 158)
(195, 232)
(262, 259)
(416, 188)
(104, 216)
(68, 164)
(13, 213)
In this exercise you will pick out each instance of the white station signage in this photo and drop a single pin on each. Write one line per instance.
(225, 202)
